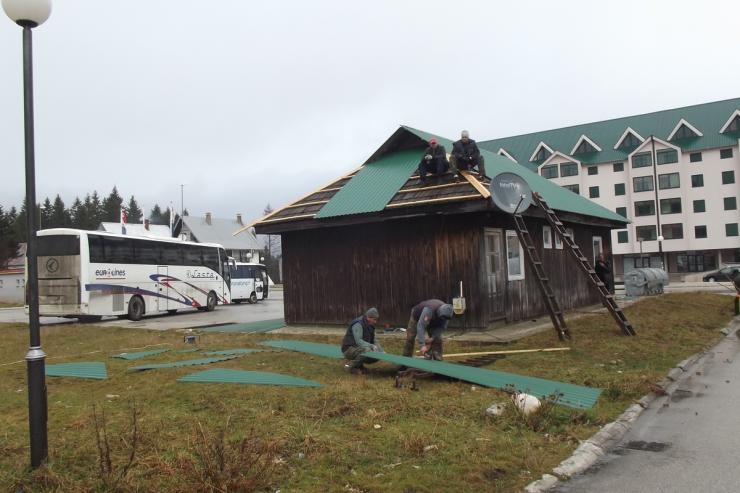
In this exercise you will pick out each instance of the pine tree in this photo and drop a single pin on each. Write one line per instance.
(60, 216)
(8, 241)
(111, 209)
(166, 217)
(95, 212)
(45, 216)
(133, 211)
(19, 225)
(77, 211)
(155, 216)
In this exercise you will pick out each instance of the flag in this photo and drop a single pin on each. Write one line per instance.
(123, 221)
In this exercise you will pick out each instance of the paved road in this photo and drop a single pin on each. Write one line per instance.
(264, 310)
(692, 437)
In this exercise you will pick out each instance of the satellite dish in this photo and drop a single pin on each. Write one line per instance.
(510, 193)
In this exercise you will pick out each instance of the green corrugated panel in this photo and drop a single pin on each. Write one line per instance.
(707, 118)
(177, 364)
(193, 350)
(575, 396)
(556, 196)
(139, 355)
(94, 370)
(250, 327)
(231, 351)
(221, 375)
(373, 186)
(326, 350)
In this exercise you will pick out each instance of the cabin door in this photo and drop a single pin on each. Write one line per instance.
(495, 273)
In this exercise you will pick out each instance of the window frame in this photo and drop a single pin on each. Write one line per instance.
(666, 152)
(620, 189)
(638, 204)
(671, 227)
(669, 176)
(697, 178)
(510, 233)
(570, 167)
(548, 168)
(647, 179)
(591, 191)
(593, 170)
(693, 155)
(733, 203)
(670, 202)
(547, 237)
(728, 177)
(641, 155)
(618, 167)
(696, 229)
(650, 227)
(731, 231)
(703, 206)
(623, 236)
(726, 153)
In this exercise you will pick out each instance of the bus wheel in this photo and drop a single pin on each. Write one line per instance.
(135, 308)
(211, 302)
(253, 298)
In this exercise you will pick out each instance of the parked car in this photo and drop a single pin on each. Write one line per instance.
(730, 273)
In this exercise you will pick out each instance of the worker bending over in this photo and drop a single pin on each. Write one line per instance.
(466, 156)
(359, 339)
(428, 317)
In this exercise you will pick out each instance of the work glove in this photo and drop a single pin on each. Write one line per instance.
(428, 157)
(374, 348)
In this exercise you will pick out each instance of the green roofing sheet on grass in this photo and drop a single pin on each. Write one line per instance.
(575, 396)
(373, 186)
(94, 370)
(191, 350)
(222, 375)
(231, 351)
(177, 364)
(139, 355)
(249, 327)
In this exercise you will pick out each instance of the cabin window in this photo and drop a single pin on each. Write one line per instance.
(514, 257)
(547, 236)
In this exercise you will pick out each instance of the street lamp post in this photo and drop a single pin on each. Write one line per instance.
(29, 14)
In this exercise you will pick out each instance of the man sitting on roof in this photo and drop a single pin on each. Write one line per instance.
(433, 161)
(466, 155)
(359, 339)
(430, 316)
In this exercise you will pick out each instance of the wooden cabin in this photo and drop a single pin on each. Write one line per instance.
(377, 237)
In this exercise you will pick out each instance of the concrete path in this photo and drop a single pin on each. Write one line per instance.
(685, 442)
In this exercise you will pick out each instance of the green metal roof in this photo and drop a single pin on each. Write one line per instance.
(224, 352)
(93, 370)
(222, 375)
(177, 364)
(575, 396)
(557, 197)
(140, 354)
(373, 186)
(708, 118)
(249, 327)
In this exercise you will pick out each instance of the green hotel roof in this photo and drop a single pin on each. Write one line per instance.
(708, 118)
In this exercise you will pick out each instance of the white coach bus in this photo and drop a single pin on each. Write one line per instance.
(90, 274)
(249, 282)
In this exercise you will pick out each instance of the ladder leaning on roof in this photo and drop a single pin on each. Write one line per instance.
(606, 297)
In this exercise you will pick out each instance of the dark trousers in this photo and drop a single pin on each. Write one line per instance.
(433, 166)
(466, 165)
(435, 347)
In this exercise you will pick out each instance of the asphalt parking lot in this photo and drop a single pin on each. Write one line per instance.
(268, 309)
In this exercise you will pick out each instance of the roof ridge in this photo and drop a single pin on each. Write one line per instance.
(611, 120)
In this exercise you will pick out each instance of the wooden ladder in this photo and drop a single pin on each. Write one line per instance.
(556, 314)
(606, 297)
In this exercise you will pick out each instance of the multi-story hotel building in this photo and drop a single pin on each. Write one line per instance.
(673, 174)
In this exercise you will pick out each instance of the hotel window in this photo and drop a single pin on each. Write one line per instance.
(550, 171)
(642, 160)
(730, 203)
(672, 231)
(568, 169)
(645, 208)
(622, 211)
(695, 157)
(542, 154)
(700, 231)
(700, 206)
(622, 237)
(697, 181)
(731, 229)
(643, 183)
(667, 156)
(728, 177)
(725, 153)
(619, 189)
(670, 206)
(618, 167)
(646, 233)
(668, 180)
(593, 170)
(593, 192)
(573, 188)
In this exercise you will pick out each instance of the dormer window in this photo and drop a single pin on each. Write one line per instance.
(684, 130)
(734, 125)
(584, 146)
(541, 152)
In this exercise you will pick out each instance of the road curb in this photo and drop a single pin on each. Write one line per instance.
(590, 450)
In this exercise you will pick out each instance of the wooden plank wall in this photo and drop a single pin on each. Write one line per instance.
(334, 274)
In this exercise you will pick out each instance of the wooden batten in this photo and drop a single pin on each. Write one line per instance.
(433, 201)
(477, 184)
(433, 187)
(305, 204)
(288, 218)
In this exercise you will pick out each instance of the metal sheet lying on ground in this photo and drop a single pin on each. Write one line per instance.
(139, 355)
(570, 395)
(94, 370)
(177, 364)
(251, 327)
(222, 375)
(225, 352)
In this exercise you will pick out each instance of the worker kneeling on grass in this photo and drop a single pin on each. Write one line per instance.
(359, 339)
(428, 317)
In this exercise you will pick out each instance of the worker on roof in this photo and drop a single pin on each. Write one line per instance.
(433, 161)
(427, 322)
(466, 156)
(359, 339)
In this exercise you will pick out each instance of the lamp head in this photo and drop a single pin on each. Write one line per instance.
(27, 13)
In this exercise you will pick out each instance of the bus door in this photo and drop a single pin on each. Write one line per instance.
(162, 289)
(259, 285)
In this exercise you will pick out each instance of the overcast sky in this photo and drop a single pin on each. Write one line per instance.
(254, 102)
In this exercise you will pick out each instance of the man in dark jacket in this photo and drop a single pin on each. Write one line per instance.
(466, 155)
(428, 317)
(604, 272)
(360, 338)
(433, 161)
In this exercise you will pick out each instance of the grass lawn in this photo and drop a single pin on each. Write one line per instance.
(357, 433)
(4, 304)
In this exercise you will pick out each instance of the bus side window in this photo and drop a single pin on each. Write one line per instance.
(146, 252)
(96, 249)
(118, 250)
(210, 259)
(192, 255)
(171, 254)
